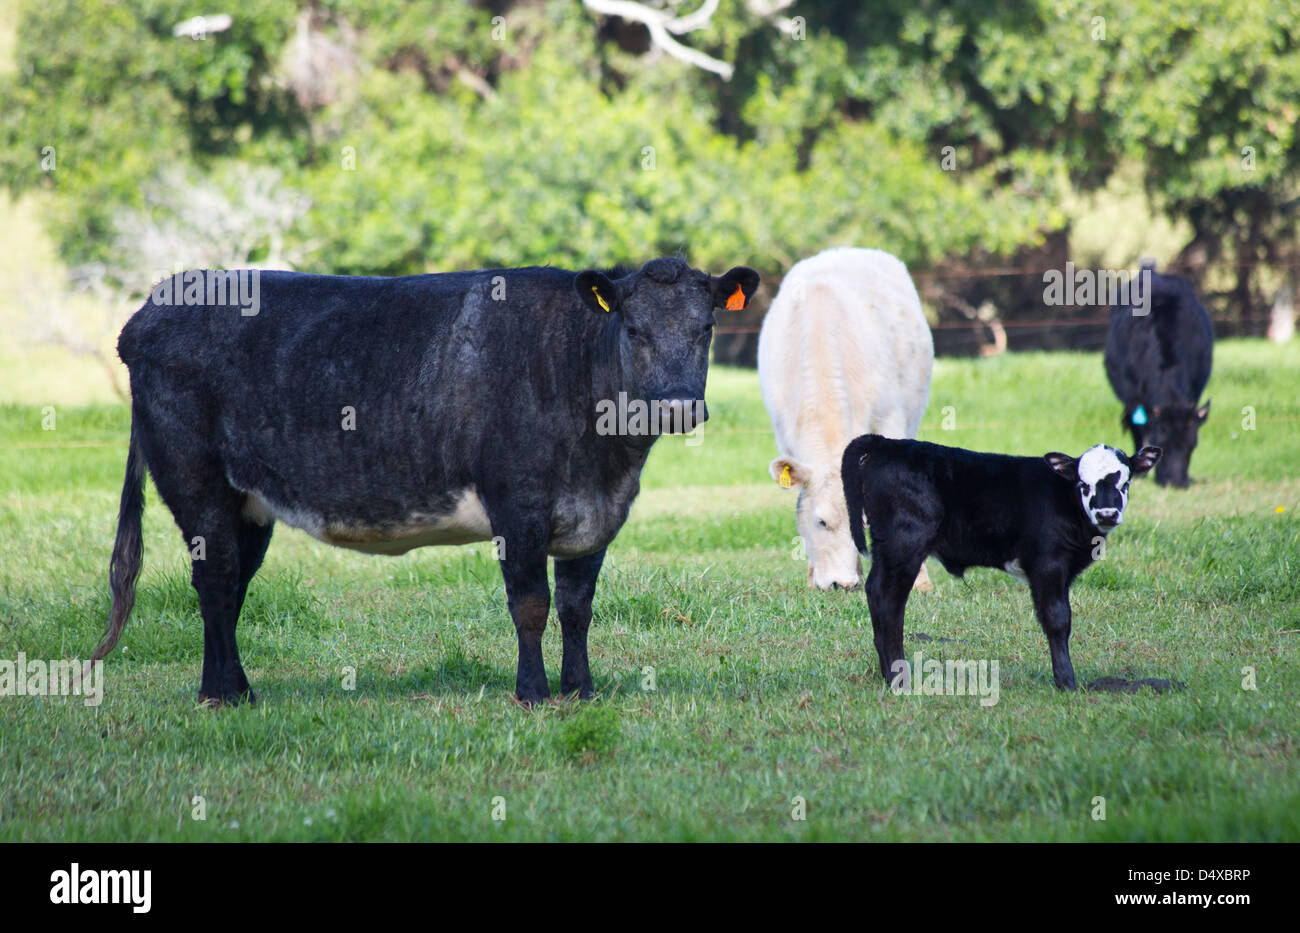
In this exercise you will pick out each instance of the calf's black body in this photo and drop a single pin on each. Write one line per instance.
(383, 414)
(1023, 515)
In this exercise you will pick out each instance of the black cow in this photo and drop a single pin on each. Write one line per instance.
(1040, 519)
(1158, 364)
(383, 414)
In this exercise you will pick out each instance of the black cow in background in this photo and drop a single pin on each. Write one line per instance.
(384, 414)
(1158, 364)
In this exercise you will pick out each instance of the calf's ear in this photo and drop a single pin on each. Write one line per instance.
(1064, 465)
(1144, 460)
(788, 472)
(733, 290)
(596, 291)
(1203, 412)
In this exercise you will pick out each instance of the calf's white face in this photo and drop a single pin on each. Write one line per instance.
(1103, 486)
(1101, 476)
(822, 519)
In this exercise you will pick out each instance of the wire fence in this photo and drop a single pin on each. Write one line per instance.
(1087, 331)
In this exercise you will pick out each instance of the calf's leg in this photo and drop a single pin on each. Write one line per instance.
(1051, 595)
(575, 584)
(889, 584)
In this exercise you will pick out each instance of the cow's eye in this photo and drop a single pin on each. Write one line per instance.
(633, 333)
(1083, 487)
(822, 522)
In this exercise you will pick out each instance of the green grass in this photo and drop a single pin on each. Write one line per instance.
(764, 691)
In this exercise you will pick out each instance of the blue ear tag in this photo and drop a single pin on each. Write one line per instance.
(1139, 415)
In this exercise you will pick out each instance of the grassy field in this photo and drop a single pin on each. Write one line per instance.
(764, 692)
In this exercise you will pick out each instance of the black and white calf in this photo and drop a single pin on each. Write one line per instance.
(1038, 518)
(384, 414)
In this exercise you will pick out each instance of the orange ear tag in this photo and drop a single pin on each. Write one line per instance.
(737, 300)
(785, 482)
(600, 301)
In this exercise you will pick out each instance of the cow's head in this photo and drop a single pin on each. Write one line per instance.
(665, 314)
(1101, 477)
(822, 519)
(1173, 428)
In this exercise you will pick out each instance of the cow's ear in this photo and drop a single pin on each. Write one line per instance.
(788, 472)
(597, 291)
(1064, 465)
(733, 290)
(1203, 412)
(1144, 460)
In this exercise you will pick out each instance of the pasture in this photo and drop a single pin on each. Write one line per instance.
(763, 691)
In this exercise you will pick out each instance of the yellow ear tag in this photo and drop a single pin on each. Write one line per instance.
(600, 301)
(785, 482)
(737, 300)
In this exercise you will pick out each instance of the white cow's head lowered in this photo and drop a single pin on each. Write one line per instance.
(823, 522)
(1101, 476)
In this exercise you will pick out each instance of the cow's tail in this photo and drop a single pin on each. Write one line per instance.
(128, 547)
(853, 469)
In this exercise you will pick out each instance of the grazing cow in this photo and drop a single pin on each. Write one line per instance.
(384, 414)
(844, 350)
(1158, 363)
(1041, 519)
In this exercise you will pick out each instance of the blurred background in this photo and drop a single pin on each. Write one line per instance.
(981, 142)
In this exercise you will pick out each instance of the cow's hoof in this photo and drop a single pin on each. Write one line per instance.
(581, 691)
(227, 699)
(530, 699)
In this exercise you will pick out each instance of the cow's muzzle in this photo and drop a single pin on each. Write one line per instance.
(681, 412)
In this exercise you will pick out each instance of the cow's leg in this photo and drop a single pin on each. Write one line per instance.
(219, 580)
(528, 595)
(253, 541)
(575, 584)
(192, 482)
(1051, 594)
(224, 681)
(889, 584)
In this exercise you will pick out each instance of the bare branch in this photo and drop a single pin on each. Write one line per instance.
(985, 314)
(662, 24)
(475, 82)
(697, 20)
(200, 27)
(767, 9)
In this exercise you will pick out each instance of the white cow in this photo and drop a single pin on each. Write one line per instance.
(845, 350)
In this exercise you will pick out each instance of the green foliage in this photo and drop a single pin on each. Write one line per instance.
(120, 99)
(548, 135)
(618, 179)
